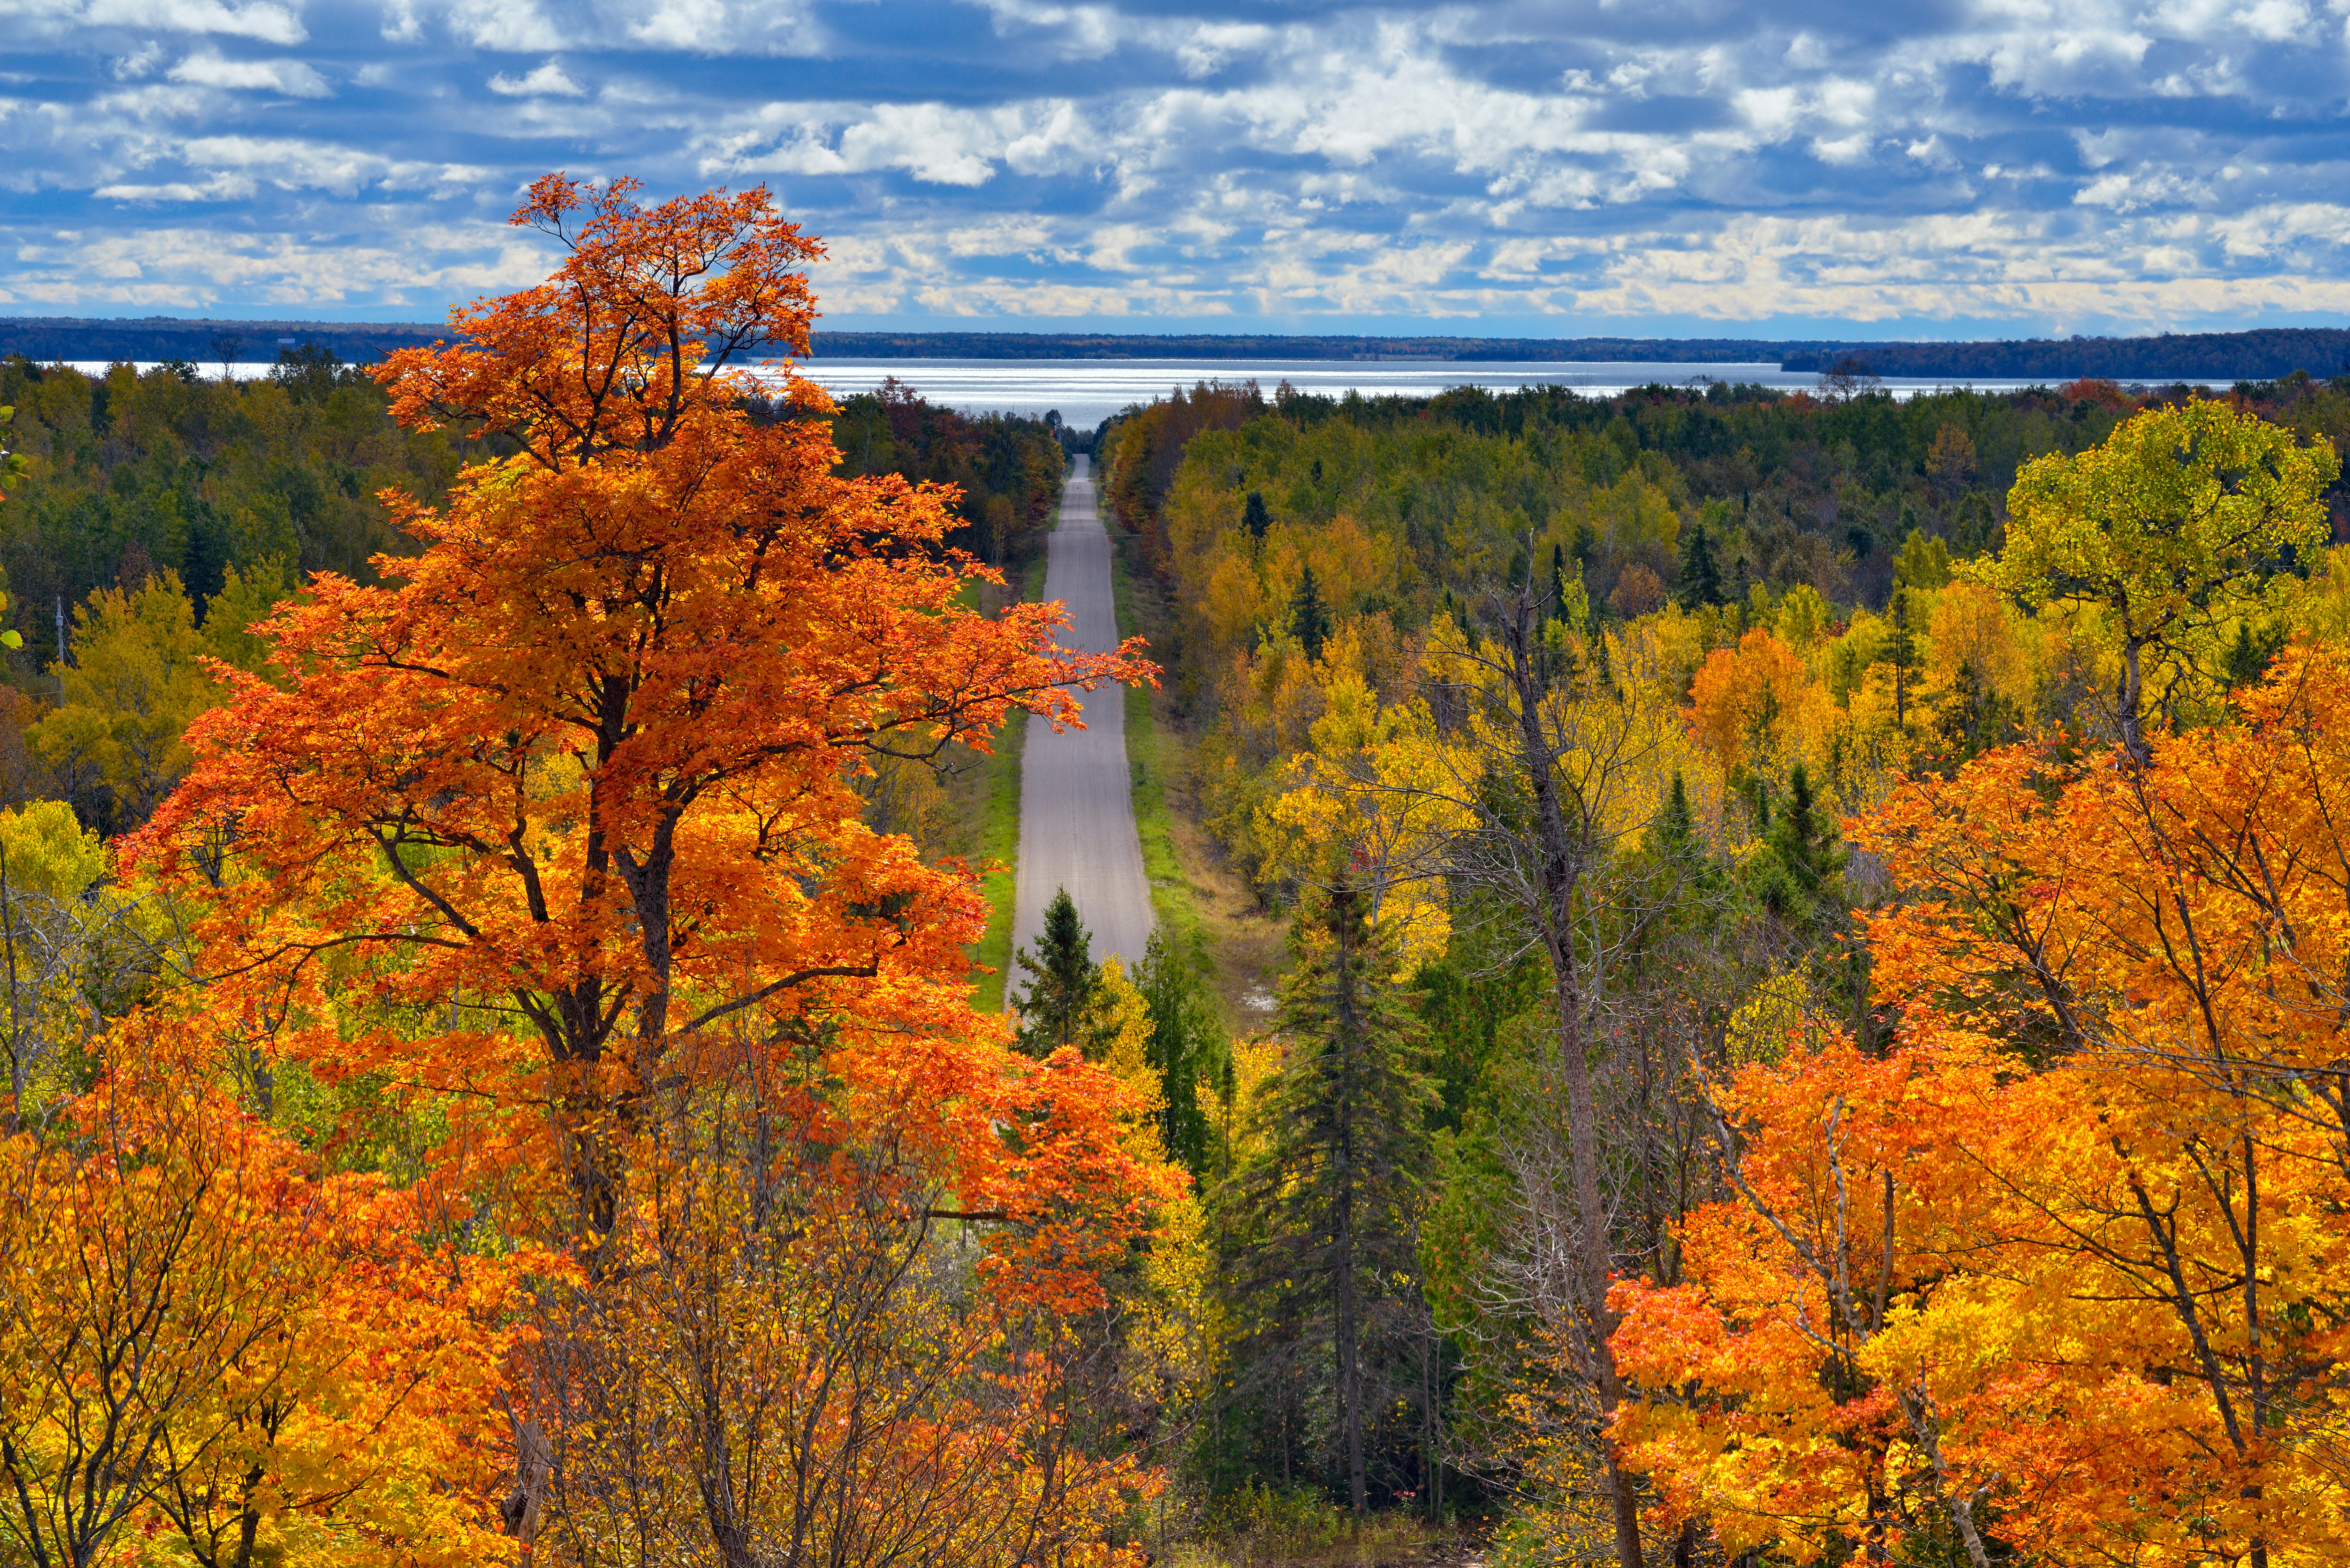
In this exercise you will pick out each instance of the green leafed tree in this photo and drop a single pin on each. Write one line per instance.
(1309, 615)
(1799, 873)
(1701, 571)
(2169, 528)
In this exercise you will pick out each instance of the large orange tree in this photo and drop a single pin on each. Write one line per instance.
(2060, 1272)
(556, 834)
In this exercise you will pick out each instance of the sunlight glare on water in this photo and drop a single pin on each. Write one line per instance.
(1086, 392)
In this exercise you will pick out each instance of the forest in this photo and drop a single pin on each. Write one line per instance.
(1807, 1026)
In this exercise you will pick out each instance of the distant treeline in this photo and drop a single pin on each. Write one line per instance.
(2210, 356)
(2217, 356)
(159, 338)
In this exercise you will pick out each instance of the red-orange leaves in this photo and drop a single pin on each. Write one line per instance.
(627, 340)
(578, 785)
(2103, 1316)
(557, 835)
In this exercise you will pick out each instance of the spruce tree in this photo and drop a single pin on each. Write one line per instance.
(1902, 654)
(1309, 617)
(1676, 838)
(2249, 657)
(1329, 1199)
(1255, 517)
(1057, 1009)
(1188, 1047)
(1684, 884)
(1701, 572)
(1799, 876)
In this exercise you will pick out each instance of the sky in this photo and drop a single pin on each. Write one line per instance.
(1920, 167)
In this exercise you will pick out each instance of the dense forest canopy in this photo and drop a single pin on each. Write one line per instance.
(1810, 1024)
(1707, 763)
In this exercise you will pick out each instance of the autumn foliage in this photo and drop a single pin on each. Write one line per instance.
(1813, 1029)
(727, 1230)
(2060, 1273)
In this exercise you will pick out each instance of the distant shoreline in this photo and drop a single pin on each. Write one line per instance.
(2266, 354)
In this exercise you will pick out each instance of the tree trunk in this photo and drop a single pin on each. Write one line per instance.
(18, 1079)
(1563, 851)
(2128, 700)
(1348, 1043)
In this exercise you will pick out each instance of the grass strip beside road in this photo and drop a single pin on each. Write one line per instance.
(1150, 764)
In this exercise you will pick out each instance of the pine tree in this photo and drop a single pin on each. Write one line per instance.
(1188, 1047)
(1799, 876)
(1255, 517)
(1331, 1195)
(1309, 617)
(1902, 654)
(1675, 831)
(1057, 1008)
(2249, 657)
(1701, 572)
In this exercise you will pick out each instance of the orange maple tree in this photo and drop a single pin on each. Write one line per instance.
(579, 778)
(556, 834)
(2062, 1270)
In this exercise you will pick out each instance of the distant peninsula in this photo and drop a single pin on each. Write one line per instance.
(2211, 357)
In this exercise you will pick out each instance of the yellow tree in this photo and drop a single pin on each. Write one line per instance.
(2065, 1258)
(2168, 528)
(198, 1337)
(135, 680)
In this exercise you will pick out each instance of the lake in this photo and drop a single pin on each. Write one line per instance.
(1086, 392)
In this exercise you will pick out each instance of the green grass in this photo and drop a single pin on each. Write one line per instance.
(997, 840)
(1150, 761)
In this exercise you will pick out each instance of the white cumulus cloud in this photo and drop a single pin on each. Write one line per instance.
(548, 81)
(291, 78)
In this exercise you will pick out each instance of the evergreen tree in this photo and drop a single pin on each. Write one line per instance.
(205, 564)
(1330, 1199)
(1683, 883)
(1057, 1009)
(2249, 657)
(1973, 528)
(1255, 517)
(1309, 617)
(1558, 581)
(1188, 1048)
(1701, 572)
(1676, 838)
(1977, 719)
(1901, 652)
(1799, 875)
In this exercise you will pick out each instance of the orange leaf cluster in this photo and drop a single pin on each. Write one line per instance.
(555, 836)
(2065, 1268)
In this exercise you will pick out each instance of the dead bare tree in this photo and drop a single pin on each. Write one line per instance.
(1564, 764)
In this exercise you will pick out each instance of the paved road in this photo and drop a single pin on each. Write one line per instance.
(1076, 800)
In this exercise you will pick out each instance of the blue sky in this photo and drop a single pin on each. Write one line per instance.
(1929, 168)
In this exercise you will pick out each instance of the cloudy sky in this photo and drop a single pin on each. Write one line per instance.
(1925, 167)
